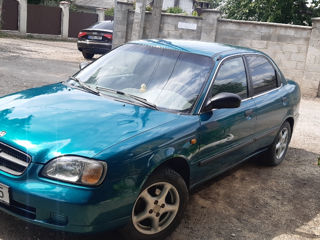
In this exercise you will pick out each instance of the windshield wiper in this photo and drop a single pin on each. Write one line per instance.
(84, 86)
(139, 99)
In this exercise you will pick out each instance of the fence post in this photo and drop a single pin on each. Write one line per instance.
(1, 1)
(23, 13)
(156, 18)
(65, 6)
(101, 15)
(120, 23)
(209, 24)
(138, 20)
(310, 85)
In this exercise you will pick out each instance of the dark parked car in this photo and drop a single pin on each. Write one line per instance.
(96, 39)
(121, 143)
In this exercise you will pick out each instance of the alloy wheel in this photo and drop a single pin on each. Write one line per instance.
(282, 143)
(155, 208)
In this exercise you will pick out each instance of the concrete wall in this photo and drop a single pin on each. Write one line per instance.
(169, 26)
(311, 80)
(286, 44)
(180, 27)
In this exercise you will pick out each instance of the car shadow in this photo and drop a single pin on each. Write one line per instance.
(250, 201)
(253, 201)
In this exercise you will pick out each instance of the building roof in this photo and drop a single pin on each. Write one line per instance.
(209, 49)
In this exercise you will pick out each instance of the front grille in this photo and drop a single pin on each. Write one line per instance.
(12, 160)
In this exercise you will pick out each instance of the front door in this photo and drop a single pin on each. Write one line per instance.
(225, 134)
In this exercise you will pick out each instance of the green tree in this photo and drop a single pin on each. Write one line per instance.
(289, 11)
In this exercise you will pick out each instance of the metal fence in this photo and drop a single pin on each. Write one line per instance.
(9, 16)
(44, 19)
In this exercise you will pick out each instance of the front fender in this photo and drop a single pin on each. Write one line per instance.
(138, 157)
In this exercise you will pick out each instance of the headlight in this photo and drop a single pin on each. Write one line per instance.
(76, 170)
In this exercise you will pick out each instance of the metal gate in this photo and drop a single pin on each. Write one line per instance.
(44, 19)
(9, 16)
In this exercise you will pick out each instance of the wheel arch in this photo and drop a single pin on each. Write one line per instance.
(290, 120)
(178, 164)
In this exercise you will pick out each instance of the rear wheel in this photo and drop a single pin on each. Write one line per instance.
(87, 55)
(278, 150)
(159, 207)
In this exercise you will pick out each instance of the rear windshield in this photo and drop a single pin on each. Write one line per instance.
(108, 25)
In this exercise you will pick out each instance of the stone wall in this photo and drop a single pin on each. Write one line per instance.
(296, 49)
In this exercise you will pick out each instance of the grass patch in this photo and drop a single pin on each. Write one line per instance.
(3, 35)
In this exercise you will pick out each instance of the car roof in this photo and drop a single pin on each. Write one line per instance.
(210, 49)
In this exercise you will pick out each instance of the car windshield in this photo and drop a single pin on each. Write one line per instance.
(168, 79)
(108, 25)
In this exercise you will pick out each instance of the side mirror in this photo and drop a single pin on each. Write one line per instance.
(83, 65)
(223, 100)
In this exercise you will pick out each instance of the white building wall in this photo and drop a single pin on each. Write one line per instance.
(186, 5)
(96, 3)
(167, 4)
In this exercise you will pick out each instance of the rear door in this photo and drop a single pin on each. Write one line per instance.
(225, 134)
(269, 97)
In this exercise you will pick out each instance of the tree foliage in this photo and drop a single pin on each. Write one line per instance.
(289, 11)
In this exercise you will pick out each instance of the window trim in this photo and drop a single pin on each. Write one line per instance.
(277, 74)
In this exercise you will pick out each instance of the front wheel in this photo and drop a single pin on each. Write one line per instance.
(159, 207)
(278, 149)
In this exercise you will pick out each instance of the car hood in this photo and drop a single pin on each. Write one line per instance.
(57, 120)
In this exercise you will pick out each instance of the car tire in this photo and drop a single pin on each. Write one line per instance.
(277, 152)
(159, 207)
(87, 55)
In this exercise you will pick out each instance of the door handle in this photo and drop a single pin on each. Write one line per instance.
(248, 113)
(284, 100)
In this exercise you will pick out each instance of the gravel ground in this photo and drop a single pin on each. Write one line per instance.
(249, 202)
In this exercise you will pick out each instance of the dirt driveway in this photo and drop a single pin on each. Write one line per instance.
(249, 202)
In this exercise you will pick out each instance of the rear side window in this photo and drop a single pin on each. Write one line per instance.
(264, 77)
(231, 78)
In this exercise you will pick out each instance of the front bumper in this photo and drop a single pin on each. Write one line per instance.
(63, 206)
(94, 46)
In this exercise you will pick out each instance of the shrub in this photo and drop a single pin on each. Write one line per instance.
(175, 10)
(109, 12)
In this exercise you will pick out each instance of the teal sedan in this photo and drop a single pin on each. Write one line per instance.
(122, 142)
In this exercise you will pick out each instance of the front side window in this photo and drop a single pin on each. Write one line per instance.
(231, 78)
(263, 75)
(169, 79)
